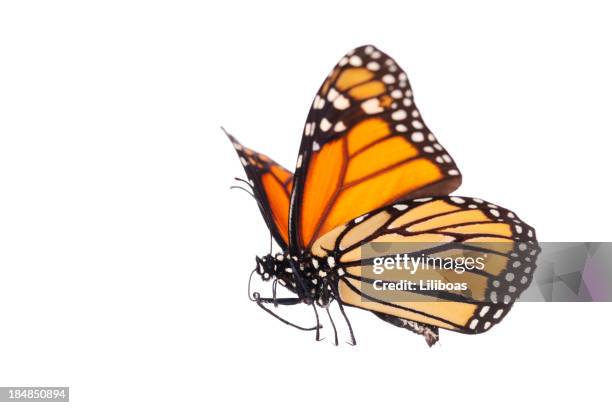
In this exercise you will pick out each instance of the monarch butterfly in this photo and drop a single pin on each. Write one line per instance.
(369, 170)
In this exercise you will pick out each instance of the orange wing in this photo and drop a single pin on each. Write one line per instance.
(272, 185)
(364, 146)
(446, 227)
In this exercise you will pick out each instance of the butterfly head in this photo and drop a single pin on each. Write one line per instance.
(307, 276)
(277, 267)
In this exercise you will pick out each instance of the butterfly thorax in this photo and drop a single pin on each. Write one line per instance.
(311, 278)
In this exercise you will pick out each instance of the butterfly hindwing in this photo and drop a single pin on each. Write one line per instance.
(364, 146)
(507, 244)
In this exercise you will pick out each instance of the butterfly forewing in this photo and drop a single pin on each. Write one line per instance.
(272, 185)
(365, 145)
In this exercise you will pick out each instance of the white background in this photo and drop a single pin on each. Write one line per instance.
(124, 256)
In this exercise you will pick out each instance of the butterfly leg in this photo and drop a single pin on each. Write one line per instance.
(256, 297)
(318, 336)
(430, 333)
(280, 301)
(334, 289)
(260, 302)
(331, 320)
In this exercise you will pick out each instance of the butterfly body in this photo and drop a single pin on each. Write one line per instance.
(311, 278)
(370, 171)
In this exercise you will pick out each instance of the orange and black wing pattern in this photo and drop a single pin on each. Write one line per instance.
(446, 227)
(272, 185)
(365, 145)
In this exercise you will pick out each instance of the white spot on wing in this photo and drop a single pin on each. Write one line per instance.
(318, 102)
(484, 310)
(312, 129)
(325, 125)
(339, 127)
(341, 103)
(371, 106)
(355, 61)
(332, 94)
(417, 137)
(388, 79)
(399, 115)
(373, 66)
(359, 219)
